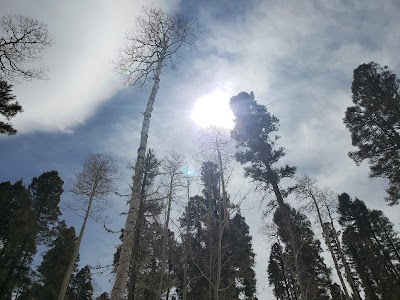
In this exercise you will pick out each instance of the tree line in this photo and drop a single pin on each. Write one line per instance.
(209, 253)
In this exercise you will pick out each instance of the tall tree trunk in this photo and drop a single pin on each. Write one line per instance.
(187, 246)
(219, 254)
(126, 249)
(299, 266)
(165, 240)
(347, 270)
(67, 276)
(326, 237)
(224, 194)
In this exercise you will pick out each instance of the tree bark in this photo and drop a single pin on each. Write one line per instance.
(126, 249)
(165, 240)
(67, 276)
(224, 194)
(335, 262)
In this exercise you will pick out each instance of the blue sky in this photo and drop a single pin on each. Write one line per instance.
(296, 56)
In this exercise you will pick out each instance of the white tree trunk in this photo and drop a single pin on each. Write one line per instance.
(67, 276)
(127, 241)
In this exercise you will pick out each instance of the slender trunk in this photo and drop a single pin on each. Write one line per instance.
(224, 194)
(395, 251)
(219, 254)
(67, 276)
(302, 278)
(187, 246)
(349, 277)
(165, 240)
(126, 249)
(326, 237)
(211, 244)
(136, 248)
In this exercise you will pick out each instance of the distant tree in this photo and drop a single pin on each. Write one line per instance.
(81, 287)
(55, 263)
(372, 253)
(23, 40)
(91, 186)
(374, 123)
(153, 45)
(9, 107)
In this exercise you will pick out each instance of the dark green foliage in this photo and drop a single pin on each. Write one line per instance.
(46, 192)
(374, 123)
(314, 270)
(201, 220)
(81, 287)
(18, 229)
(9, 107)
(254, 126)
(372, 245)
(280, 275)
(55, 262)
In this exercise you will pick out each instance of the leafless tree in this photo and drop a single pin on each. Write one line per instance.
(317, 200)
(152, 45)
(172, 168)
(92, 186)
(23, 40)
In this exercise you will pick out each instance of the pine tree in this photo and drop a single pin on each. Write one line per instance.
(371, 253)
(374, 123)
(9, 108)
(81, 287)
(18, 230)
(55, 262)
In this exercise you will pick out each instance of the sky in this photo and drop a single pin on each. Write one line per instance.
(296, 56)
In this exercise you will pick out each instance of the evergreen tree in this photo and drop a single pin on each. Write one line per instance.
(103, 296)
(46, 193)
(18, 229)
(81, 287)
(203, 223)
(372, 255)
(374, 123)
(9, 108)
(55, 263)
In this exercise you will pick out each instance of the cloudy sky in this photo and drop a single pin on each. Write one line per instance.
(296, 56)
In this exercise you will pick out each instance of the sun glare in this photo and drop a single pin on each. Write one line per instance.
(213, 110)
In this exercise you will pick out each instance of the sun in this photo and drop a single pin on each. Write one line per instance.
(213, 110)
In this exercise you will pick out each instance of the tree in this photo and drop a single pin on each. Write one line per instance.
(92, 186)
(81, 287)
(23, 41)
(308, 250)
(46, 191)
(153, 44)
(55, 263)
(317, 200)
(219, 266)
(372, 256)
(374, 124)
(18, 230)
(9, 107)
(172, 168)
(103, 296)
(252, 132)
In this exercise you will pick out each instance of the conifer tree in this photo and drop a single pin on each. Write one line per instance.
(371, 254)
(9, 108)
(374, 123)
(81, 287)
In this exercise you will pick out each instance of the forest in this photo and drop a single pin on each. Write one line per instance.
(186, 233)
